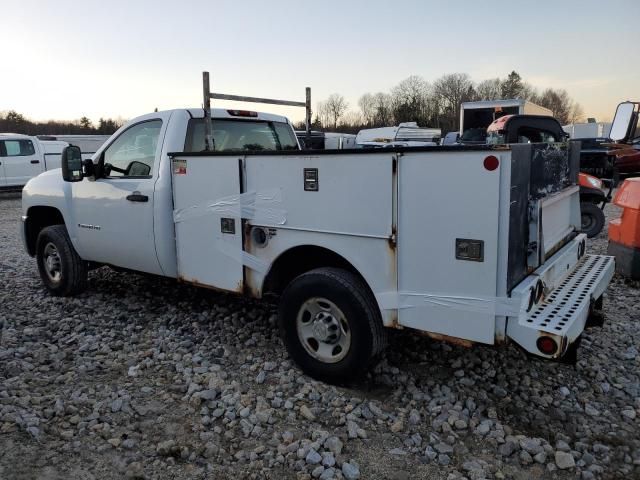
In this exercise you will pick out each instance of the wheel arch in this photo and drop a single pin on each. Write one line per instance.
(301, 259)
(39, 217)
(592, 195)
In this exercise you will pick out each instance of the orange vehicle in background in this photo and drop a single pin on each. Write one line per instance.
(624, 232)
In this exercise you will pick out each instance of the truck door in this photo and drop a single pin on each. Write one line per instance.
(114, 215)
(20, 161)
(207, 215)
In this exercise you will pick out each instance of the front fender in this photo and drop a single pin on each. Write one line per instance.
(590, 194)
(49, 190)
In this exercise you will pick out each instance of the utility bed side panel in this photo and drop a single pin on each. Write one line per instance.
(353, 196)
(350, 214)
(444, 197)
(208, 230)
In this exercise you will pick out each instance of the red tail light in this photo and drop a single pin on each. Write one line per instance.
(491, 163)
(242, 113)
(547, 345)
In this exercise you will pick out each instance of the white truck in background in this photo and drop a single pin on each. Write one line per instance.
(350, 242)
(89, 144)
(475, 117)
(407, 134)
(23, 157)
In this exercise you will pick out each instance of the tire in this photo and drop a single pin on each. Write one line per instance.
(62, 271)
(334, 305)
(592, 219)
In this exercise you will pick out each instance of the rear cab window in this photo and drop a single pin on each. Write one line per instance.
(231, 135)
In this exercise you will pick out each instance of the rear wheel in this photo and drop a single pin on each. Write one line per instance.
(592, 219)
(331, 324)
(62, 270)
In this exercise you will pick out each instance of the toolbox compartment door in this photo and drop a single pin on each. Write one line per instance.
(206, 198)
(439, 291)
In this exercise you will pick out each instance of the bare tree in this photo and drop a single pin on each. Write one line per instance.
(323, 115)
(351, 119)
(559, 102)
(577, 113)
(367, 104)
(413, 99)
(450, 91)
(489, 89)
(336, 105)
(409, 100)
(383, 109)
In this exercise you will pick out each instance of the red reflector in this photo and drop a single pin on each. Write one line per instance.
(547, 345)
(491, 163)
(242, 113)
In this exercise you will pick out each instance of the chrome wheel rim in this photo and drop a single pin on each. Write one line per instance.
(52, 263)
(323, 330)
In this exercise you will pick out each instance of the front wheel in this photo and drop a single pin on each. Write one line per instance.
(331, 324)
(62, 270)
(592, 219)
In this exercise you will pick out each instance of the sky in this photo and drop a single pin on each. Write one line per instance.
(65, 59)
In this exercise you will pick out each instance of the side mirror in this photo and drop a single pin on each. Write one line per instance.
(71, 163)
(621, 126)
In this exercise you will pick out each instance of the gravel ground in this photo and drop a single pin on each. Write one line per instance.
(143, 378)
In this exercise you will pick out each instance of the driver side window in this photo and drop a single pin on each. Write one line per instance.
(133, 153)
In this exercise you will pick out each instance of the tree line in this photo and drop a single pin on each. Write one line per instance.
(14, 122)
(437, 104)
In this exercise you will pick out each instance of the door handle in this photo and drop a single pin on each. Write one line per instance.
(137, 197)
(35, 161)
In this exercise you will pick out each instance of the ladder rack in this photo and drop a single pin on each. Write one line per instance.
(206, 90)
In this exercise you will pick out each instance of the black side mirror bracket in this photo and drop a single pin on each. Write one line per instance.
(89, 168)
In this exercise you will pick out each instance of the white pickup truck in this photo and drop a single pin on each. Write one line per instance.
(468, 244)
(23, 157)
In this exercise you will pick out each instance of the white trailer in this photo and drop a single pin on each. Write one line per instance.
(479, 115)
(349, 242)
(339, 141)
(588, 130)
(326, 140)
(405, 132)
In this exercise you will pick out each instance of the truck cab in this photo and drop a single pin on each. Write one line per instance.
(119, 213)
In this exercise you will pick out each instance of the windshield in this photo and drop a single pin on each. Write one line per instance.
(241, 135)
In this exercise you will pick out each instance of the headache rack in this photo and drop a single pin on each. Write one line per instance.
(206, 90)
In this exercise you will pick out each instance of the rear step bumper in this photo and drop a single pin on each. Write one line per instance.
(562, 315)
